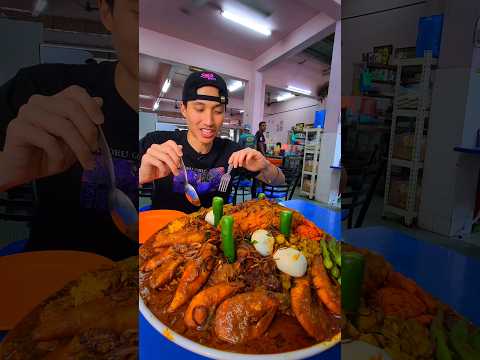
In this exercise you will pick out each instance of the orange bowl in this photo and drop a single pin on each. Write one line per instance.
(154, 220)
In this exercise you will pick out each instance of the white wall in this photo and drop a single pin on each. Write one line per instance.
(146, 123)
(448, 202)
(291, 112)
(360, 35)
(18, 54)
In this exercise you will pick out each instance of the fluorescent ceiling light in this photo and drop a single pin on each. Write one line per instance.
(298, 90)
(247, 22)
(39, 7)
(166, 85)
(143, 96)
(156, 105)
(285, 97)
(241, 111)
(234, 86)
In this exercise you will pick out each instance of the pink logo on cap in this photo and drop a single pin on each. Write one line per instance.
(208, 76)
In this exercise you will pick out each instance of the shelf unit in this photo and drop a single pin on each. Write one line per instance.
(313, 141)
(419, 114)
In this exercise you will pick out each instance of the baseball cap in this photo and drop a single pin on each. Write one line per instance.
(200, 79)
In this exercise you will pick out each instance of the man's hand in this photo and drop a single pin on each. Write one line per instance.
(249, 159)
(159, 161)
(51, 133)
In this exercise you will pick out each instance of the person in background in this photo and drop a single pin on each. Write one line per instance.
(278, 149)
(206, 156)
(49, 119)
(246, 138)
(260, 138)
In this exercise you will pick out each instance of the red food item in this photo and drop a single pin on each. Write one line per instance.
(398, 280)
(399, 302)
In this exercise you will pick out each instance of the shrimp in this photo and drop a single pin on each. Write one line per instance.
(165, 272)
(328, 293)
(157, 260)
(181, 237)
(196, 273)
(203, 304)
(309, 314)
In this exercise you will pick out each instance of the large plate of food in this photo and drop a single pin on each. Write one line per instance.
(93, 317)
(270, 296)
(398, 316)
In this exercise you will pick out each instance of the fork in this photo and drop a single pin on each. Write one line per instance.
(225, 180)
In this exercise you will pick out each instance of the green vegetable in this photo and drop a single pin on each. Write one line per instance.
(475, 340)
(459, 340)
(335, 272)
(286, 222)
(228, 243)
(440, 338)
(352, 272)
(335, 250)
(339, 280)
(327, 262)
(261, 196)
(217, 209)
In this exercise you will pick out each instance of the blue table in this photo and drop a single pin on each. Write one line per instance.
(155, 346)
(447, 275)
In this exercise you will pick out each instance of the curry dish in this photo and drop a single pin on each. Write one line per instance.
(94, 317)
(249, 305)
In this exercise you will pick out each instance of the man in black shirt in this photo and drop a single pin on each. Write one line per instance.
(48, 134)
(260, 137)
(206, 156)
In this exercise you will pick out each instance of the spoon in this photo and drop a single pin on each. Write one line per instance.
(123, 212)
(190, 192)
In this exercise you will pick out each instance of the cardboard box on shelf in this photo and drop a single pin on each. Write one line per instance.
(403, 147)
(399, 193)
(306, 184)
(308, 165)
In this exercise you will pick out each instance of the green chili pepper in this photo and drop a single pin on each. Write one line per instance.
(327, 261)
(335, 272)
(286, 222)
(261, 196)
(442, 351)
(352, 270)
(228, 243)
(334, 247)
(217, 209)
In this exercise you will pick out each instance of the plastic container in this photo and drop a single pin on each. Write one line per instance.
(319, 119)
(429, 36)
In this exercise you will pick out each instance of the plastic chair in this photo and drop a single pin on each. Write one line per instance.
(286, 191)
(241, 185)
(145, 208)
(362, 197)
(20, 203)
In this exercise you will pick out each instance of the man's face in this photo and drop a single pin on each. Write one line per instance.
(122, 22)
(204, 118)
(263, 127)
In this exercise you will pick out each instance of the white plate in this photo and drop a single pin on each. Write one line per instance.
(218, 354)
(359, 350)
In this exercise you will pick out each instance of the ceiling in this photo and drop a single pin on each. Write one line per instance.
(322, 50)
(77, 9)
(154, 72)
(200, 22)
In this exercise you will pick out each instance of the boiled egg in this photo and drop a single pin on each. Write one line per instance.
(209, 218)
(290, 261)
(263, 242)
